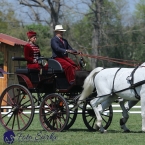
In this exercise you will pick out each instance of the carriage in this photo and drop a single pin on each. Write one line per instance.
(48, 93)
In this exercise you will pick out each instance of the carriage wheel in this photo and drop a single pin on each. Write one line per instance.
(17, 108)
(73, 114)
(54, 113)
(89, 116)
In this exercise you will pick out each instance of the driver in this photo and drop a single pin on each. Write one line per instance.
(32, 52)
(60, 50)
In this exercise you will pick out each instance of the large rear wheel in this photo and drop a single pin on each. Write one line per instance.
(54, 113)
(17, 108)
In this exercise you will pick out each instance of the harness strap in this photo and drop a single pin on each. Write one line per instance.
(133, 86)
(114, 79)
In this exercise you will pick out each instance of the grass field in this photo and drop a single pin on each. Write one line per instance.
(78, 134)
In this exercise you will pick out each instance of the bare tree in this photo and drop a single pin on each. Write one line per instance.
(51, 7)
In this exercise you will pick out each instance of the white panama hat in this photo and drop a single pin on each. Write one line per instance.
(59, 28)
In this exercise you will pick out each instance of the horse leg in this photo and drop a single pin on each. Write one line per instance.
(97, 107)
(105, 104)
(94, 105)
(125, 116)
(125, 108)
(143, 112)
(130, 104)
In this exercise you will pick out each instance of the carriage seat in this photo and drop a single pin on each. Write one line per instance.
(54, 66)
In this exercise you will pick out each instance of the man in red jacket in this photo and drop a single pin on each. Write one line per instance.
(32, 52)
(60, 50)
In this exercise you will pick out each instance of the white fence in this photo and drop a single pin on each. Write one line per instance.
(114, 109)
(131, 111)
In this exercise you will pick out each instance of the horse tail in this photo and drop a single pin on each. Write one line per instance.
(89, 84)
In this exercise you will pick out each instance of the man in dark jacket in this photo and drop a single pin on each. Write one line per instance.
(60, 50)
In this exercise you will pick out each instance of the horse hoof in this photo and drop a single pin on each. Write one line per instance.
(103, 131)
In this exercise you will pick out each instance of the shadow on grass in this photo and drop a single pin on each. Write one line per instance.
(85, 130)
(80, 129)
(117, 131)
(108, 131)
(69, 130)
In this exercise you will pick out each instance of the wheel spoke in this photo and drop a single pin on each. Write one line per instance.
(13, 122)
(9, 119)
(21, 118)
(104, 120)
(6, 102)
(10, 99)
(7, 114)
(18, 121)
(90, 119)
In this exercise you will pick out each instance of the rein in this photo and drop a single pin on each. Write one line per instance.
(120, 61)
(115, 60)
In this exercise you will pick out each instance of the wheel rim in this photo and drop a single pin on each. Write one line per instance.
(54, 113)
(89, 116)
(18, 111)
(73, 114)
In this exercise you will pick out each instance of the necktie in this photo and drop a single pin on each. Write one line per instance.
(61, 40)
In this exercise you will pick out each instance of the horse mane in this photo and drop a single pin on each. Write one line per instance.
(89, 84)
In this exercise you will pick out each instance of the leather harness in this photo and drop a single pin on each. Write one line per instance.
(132, 84)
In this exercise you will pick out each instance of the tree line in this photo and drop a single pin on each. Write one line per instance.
(104, 29)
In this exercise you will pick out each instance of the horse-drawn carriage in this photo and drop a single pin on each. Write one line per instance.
(48, 93)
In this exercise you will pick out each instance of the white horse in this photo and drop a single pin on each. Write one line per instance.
(112, 83)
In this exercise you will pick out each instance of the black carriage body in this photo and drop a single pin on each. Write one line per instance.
(35, 82)
(52, 80)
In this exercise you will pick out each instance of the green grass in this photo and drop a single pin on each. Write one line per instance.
(78, 134)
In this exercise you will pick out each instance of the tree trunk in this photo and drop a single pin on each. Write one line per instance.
(96, 32)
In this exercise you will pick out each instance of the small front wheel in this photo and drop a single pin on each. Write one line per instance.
(54, 113)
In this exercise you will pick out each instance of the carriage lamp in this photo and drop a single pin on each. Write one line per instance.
(39, 61)
(57, 90)
(82, 62)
